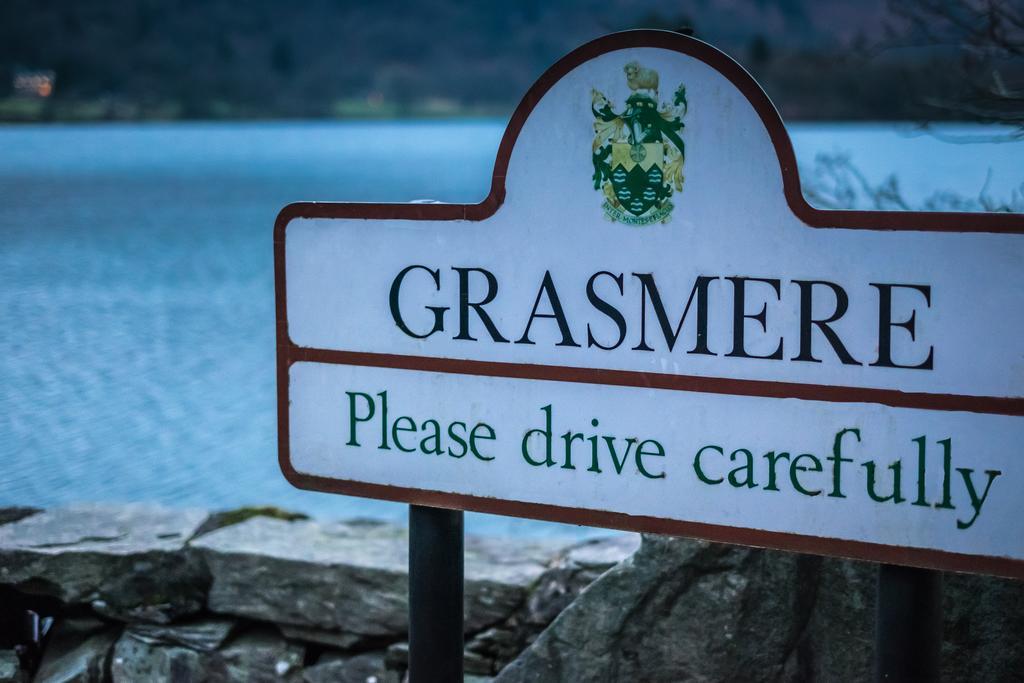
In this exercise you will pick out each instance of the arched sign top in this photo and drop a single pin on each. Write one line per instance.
(696, 52)
(761, 106)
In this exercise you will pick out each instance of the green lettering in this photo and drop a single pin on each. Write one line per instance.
(569, 437)
(435, 437)
(920, 441)
(473, 436)
(353, 419)
(895, 496)
(396, 428)
(616, 463)
(384, 421)
(457, 439)
(838, 460)
(700, 470)
(773, 458)
(546, 432)
(976, 502)
(795, 468)
(640, 453)
(947, 461)
(747, 467)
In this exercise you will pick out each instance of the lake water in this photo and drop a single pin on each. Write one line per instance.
(136, 288)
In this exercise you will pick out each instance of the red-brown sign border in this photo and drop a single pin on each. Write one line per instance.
(288, 352)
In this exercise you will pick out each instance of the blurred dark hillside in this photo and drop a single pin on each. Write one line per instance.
(331, 58)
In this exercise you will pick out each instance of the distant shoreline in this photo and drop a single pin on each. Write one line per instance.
(460, 117)
(15, 110)
(40, 110)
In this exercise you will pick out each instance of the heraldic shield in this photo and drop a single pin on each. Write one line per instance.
(638, 154)
(638, 172)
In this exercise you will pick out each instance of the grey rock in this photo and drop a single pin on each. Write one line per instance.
(77, 651)
(222, 518)
(10, 667)
(259, 655)
(329, 577)
(337, 668)
(352, 578)
(983, 628)
(687, 610)
(839, 636)
(499, 575)
(203, 635)
(396, 660)
(344, 641)
(16, 513)
(262, 656)
(601, 554)
(677, 610)
(396, 657)
(502, 643)
(128, 562)
(137, 660)
(477, 665)
(983, 619)
(572, 570)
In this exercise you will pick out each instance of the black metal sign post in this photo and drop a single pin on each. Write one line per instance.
(908, 630)
(435, 595)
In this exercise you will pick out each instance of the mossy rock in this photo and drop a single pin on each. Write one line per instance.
(224, 518)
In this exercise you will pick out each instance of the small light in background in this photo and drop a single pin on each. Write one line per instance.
(34, 83)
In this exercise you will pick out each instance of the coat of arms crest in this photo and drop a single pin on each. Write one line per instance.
(638, 154)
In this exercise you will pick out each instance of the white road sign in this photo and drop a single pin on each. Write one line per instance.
(645, 326)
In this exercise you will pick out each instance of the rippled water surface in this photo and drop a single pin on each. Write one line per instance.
(136, 289)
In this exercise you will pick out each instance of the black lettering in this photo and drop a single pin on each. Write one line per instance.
(606, 308)
(886, 323)
(548, 287)
(465, 304)
(740, 317)
(396, 312)
(649, 292)
(807, 321)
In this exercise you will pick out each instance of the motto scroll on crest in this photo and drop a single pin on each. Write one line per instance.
(639, 154)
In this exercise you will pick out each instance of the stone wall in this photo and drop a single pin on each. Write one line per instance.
(144, 593)
(140, 593)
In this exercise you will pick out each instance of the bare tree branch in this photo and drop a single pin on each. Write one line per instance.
(988, 38)
(834, 182)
